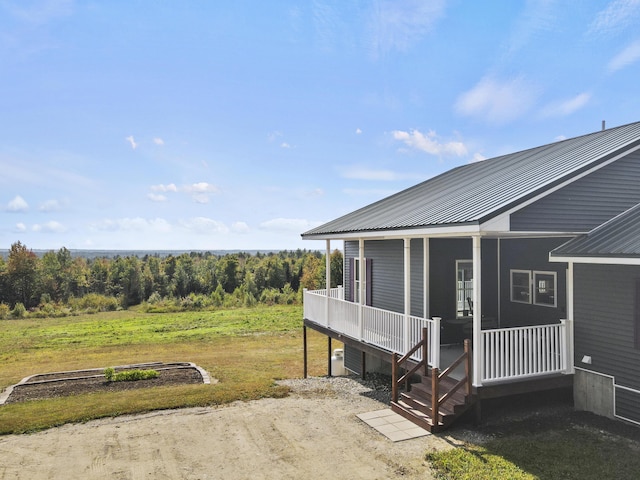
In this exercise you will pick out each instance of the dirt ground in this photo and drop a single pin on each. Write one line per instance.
(313, 434)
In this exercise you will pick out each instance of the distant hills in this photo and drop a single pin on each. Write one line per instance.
(140, 253)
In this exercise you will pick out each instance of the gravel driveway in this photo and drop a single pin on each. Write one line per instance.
(312, 434)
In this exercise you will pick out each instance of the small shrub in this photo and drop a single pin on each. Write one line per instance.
(19, 311)
(129, 375)
(109, 373)
(94, 302)
(4, 310)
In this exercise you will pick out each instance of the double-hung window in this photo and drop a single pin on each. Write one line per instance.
(534, 287)
(544, 288)
(521, 286)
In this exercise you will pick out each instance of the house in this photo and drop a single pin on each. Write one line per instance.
(604, 269)
(466, 254)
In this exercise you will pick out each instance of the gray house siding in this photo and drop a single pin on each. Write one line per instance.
(585, 203)
(417, 276)
(443, 253)
(627, 404)
(604, 326)
(387, 273)
(531, 255)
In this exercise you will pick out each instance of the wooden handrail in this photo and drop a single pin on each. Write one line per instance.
(397, 362)
(436, 376)
(436, 399)
(466, 380)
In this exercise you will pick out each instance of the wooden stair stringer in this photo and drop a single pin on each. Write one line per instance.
(416, 406)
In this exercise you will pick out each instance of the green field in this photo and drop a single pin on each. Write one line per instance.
(245, 349)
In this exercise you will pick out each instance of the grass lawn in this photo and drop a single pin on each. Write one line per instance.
(245, 349)
(563, 445)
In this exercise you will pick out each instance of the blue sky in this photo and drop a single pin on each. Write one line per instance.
(239, 125)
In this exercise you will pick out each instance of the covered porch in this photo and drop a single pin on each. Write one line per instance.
(469, 283)
(502, 355)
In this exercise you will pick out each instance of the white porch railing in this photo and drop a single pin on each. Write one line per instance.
(507, 353)
(524, 352)
(382, 328)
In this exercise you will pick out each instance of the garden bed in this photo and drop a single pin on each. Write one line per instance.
(60, 384)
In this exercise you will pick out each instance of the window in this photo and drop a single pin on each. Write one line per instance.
(464, 288)
(542, 285)
(521, 286)
(544, 288)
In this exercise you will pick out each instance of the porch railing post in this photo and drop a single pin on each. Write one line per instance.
(435, 342)
(467, 367)
(425, 350)
(435, 396)
(394, 377)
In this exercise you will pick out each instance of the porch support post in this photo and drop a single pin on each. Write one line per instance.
(407, 295)
(304, 350)
(328, 279)
(426, 278)
(478, 350)
(329, 372)
(570, 367)
(361, 286)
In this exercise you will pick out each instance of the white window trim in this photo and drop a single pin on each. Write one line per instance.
(458, 262)
(530, 296)
(555, 288)
(357, 280)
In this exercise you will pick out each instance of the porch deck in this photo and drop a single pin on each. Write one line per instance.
(505, 355)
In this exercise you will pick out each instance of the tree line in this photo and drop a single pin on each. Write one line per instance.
(56, 281)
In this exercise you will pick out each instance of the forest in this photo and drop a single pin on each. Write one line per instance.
(57, 283)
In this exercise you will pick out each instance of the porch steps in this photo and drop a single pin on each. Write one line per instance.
(416, 405)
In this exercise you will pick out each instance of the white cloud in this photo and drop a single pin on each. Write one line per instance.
(497, 101)
(131, 141)
(18, 204)
(49, 227)
(156, 197)
(615, 17)
(200, 191)
(137, 224)
(21, 227)
(429, 143)
(201, 187)
(203, 225)
(285, 145)
(164, 188)
(478, 157)
(626, 57)
(296, 225)
(240, 227)
(50, 206)
(358, 131)
(158, 141)
(399, 24)
(566, 107)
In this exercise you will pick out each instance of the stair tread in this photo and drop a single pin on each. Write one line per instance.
(445, 410)
(420, 390)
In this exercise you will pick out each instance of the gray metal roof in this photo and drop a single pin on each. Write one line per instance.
(619, 237)
(479, 191)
